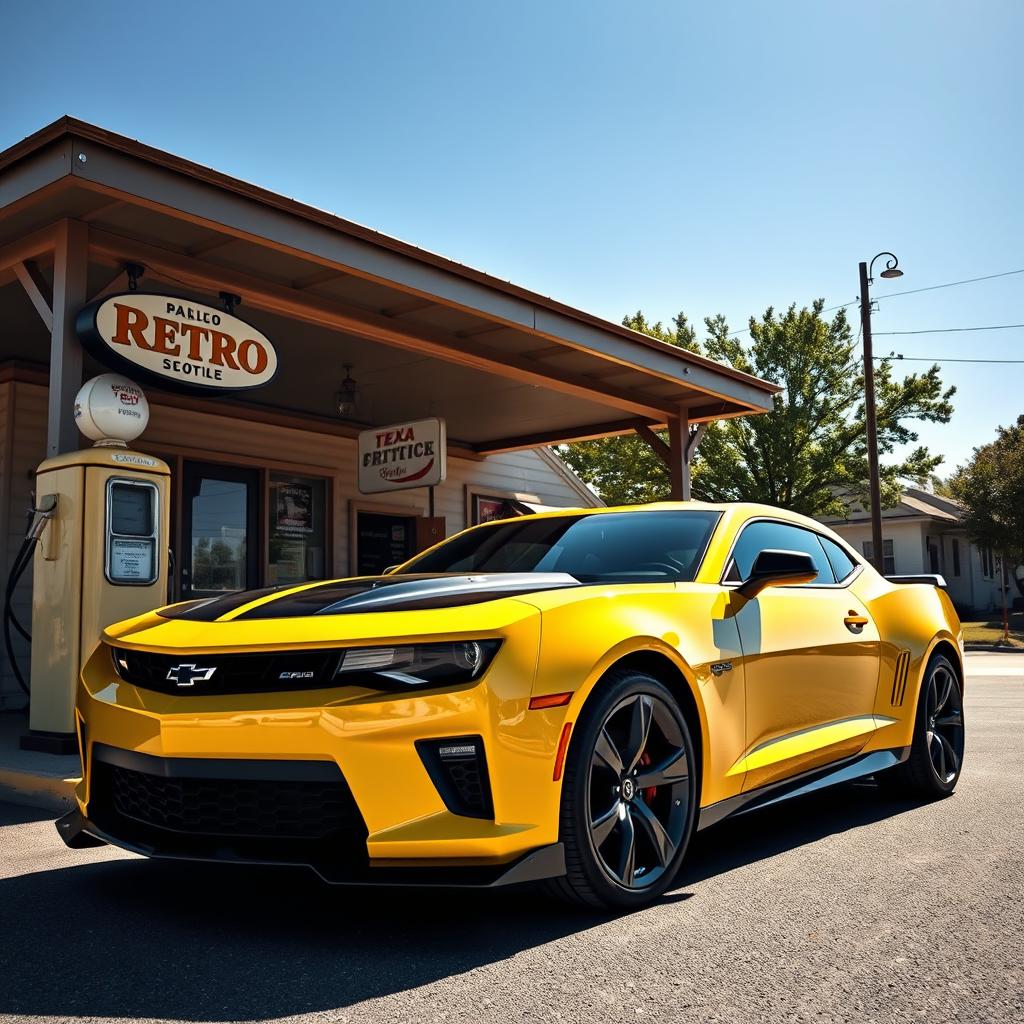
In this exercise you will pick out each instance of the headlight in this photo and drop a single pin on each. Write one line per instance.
(445, 664)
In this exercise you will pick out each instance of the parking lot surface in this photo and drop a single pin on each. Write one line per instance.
(844, 906)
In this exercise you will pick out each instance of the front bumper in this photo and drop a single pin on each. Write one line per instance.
(368, 743)
(78, 833)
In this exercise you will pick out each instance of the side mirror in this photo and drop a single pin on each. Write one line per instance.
(778, 568)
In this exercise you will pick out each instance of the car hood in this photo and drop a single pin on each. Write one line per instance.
(370, 594)
(360, 609)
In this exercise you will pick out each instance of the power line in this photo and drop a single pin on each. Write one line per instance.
(915, 291)
(831, 309)
(954, 330)
(952, 284)
(895, 356)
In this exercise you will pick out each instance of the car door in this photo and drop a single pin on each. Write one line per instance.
(810, 656)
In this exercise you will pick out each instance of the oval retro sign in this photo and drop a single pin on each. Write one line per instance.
(177, 343)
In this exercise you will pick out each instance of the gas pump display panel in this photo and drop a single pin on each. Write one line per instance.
(131, 532)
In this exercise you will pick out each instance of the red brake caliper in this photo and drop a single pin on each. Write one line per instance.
(648, 791)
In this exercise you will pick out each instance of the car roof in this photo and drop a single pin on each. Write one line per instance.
(739, 509)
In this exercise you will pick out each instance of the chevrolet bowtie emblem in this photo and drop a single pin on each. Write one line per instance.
(189, 675)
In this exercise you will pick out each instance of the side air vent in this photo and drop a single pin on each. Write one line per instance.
(458, 768)
(899, 682)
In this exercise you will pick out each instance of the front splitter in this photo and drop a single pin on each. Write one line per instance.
(78, 832)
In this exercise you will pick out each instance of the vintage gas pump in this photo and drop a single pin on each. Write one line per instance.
(102, 557)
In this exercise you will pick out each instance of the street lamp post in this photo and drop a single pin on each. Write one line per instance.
(891, 270)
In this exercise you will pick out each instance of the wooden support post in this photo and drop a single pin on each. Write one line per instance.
(679, 464)
(656, 444)
(36, 289)
(693, 443)
(71, 259)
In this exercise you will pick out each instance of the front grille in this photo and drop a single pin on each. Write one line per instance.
(230, 807)
(289, 811)
(211, 674)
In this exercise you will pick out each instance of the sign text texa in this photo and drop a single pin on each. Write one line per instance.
(403, 455)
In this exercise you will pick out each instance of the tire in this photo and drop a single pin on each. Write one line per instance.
(937, 752)
(631, 731)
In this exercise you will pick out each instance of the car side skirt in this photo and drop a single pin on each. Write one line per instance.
(846, 770)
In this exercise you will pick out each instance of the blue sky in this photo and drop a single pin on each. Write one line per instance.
(664, 155)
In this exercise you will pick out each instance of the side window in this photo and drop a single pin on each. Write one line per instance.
(758, 536)
(888, 556)
(842, 564)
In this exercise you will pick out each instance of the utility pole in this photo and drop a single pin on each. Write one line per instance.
(1006, 591)
(874, 486)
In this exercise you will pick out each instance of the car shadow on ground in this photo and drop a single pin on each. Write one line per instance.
(136, 938)
(762, 834)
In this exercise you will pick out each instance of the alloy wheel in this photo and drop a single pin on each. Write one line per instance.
(639, 791)
(944, 723)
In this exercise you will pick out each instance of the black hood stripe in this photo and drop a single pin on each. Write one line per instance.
(403, 593)
(209, 609)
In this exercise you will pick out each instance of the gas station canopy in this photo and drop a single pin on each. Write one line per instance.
(424, 336)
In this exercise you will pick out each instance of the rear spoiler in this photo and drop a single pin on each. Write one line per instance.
(933, 580)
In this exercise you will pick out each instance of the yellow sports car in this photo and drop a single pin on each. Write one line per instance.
(564, 697)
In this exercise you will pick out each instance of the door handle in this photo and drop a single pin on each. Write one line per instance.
(855, 623)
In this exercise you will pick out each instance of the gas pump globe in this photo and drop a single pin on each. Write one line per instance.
(103, 555)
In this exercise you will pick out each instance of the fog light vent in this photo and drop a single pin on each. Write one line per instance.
(457, 767)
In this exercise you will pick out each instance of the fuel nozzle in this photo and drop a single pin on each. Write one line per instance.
(43, 513)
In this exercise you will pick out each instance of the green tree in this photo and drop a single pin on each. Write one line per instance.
(991, 489)
(811, 447)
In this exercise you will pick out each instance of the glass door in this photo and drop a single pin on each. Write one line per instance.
(383, 540)
(219, 529)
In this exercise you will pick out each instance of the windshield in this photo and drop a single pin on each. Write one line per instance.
(639, 547)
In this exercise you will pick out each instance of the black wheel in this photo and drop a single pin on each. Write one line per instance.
(937, 753)
(629, 796)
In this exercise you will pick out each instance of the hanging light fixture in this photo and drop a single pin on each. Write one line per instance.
(348, 394)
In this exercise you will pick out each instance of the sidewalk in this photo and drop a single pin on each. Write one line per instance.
(28, 777)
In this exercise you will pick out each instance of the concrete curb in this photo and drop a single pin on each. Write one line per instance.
(36, 789)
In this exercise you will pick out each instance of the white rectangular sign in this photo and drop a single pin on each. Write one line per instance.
(131, 561)
(402, 455)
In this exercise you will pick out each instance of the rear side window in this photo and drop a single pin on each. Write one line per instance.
(765, 534)
(842, 563)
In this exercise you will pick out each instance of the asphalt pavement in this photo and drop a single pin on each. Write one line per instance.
(845, 906)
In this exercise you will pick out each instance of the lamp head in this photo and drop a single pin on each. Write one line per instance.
(892, 266)
(347, 396)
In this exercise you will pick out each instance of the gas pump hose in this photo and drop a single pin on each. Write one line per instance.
(22, 560)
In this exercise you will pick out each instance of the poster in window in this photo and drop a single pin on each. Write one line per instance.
(294, 508)
(297, 535)
(487, 509)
